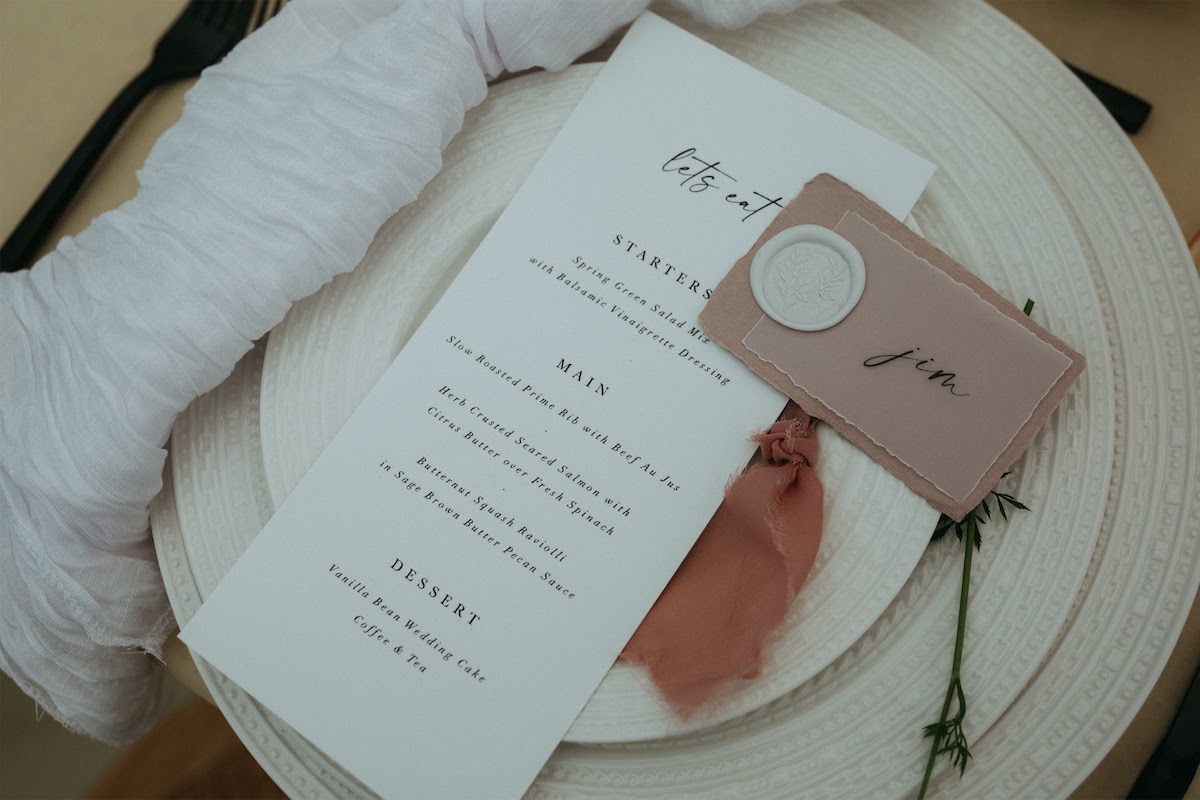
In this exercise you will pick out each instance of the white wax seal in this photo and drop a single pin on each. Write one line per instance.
(807, 277)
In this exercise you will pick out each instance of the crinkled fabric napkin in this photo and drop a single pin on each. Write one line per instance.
(712, 622)
(288, 158)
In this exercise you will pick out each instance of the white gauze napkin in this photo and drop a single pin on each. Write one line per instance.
(289, 156)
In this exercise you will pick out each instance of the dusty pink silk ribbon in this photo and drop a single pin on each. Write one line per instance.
(710, 625)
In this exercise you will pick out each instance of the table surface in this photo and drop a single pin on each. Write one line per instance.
(61, 62)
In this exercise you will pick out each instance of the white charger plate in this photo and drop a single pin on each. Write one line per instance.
(773, 752)
(1145, 570)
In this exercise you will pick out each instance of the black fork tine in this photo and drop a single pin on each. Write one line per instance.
(260, 14)
(240, 16)
(217, 9)
(265, 9)
(222, 11)
(195, 9)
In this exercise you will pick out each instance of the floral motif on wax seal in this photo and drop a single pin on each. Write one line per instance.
(807, 277)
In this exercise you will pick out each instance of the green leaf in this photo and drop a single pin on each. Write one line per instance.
(944, 524)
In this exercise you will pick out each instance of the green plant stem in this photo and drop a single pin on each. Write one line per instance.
(955, 687)
(947, 733)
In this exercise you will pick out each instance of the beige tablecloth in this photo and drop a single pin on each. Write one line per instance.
(62, 61)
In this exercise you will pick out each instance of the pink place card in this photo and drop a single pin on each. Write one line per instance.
(889, 340)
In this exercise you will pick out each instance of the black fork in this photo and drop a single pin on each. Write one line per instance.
(201, 36)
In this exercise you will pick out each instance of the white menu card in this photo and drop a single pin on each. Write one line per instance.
(439, 596)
